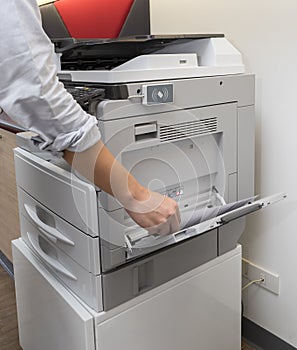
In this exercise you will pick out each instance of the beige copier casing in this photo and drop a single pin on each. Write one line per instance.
(86, 276)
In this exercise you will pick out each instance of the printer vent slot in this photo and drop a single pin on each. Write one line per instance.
(188, 129)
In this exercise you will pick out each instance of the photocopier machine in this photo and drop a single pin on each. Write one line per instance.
(178, 113)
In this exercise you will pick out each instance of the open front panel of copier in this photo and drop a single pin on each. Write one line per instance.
(180, 118)
(184, 154)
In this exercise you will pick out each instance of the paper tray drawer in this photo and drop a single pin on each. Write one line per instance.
(84, 284)
(49, 316)
(58, 190)
(77, 245)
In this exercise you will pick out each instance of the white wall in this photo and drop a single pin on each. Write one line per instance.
(266, 34)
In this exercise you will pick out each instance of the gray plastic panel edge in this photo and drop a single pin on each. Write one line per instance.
(142, 275)
(138, 19)
(235, 214)
(52, 23)
(232, 224)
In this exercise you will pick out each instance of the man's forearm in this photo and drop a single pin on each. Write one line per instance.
(151, 210)
(98, 165)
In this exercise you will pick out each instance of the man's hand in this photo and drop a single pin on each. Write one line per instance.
(158, 214)
(152, 211)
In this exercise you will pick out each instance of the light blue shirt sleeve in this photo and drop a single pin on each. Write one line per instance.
(30, 92)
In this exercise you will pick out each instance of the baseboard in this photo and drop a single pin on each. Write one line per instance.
(261, 338)
(6, 264)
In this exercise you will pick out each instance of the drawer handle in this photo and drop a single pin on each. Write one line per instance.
(49, 231)
(49, 260)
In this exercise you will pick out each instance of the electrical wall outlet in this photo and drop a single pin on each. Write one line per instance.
(251, 271)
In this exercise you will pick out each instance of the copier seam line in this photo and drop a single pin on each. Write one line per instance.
(175, 110)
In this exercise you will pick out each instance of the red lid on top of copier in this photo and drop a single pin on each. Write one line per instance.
(95, 19)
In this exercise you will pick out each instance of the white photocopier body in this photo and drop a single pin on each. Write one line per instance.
(86, 276)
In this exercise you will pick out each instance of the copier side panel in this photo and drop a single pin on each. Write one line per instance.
(228, 235)
(246, 151)
(182, 154)
(133, 146)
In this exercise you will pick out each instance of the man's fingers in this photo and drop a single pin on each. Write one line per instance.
(171, 225)
(175, 223)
